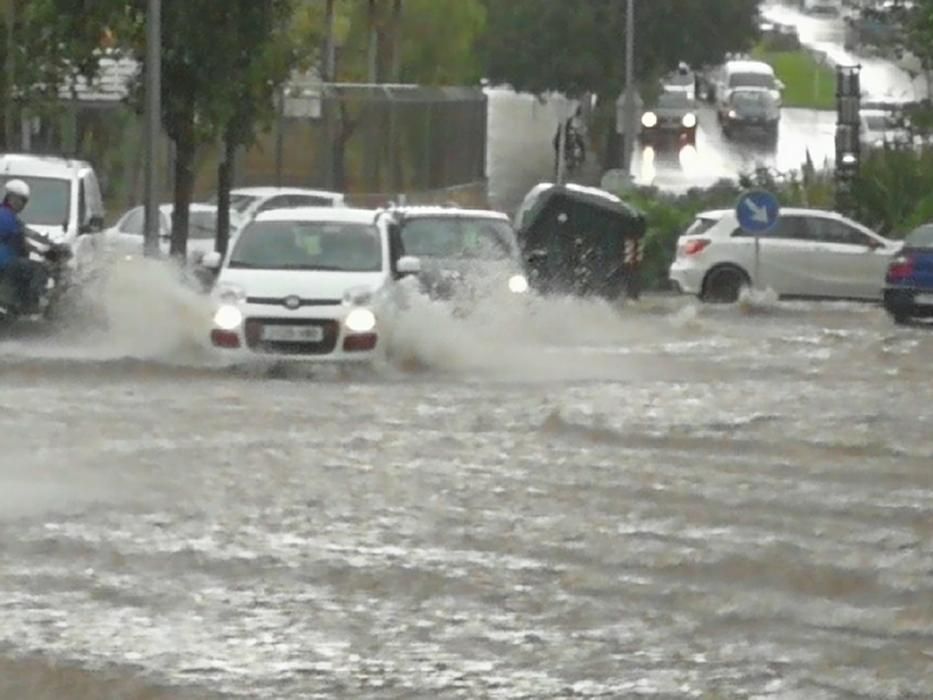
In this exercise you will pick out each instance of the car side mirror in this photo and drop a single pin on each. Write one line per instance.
(780, 85)
(408, 265)
(212, 260)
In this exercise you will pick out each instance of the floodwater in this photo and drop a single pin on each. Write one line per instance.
(551, 499)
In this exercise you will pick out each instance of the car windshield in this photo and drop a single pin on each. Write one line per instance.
(308, 245)
(49, 200)
(878, 122)
(752, 98)
(674, 99)
(760, 80)
(457, 238)
(921, 237)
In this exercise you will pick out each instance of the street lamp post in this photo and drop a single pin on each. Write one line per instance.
(153, 124)
(629, 106)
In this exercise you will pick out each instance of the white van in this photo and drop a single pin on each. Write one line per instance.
(745, 75)
(66, 202)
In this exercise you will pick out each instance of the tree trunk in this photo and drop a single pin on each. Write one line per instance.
(184, 187)
(224, 185)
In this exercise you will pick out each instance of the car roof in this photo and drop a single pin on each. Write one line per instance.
(273, 191)
(414, 212)
(348, 215)
(29, 165)
(747, 66)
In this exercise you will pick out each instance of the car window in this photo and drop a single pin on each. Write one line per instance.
(304, 200)
(454, 238)
(831, 231)
(49, 202)
(304, 245)
(701, 224)
(786, 228)
(921, 237)
(280, 202)
(202, 225)
(134, 222)
(761, 80)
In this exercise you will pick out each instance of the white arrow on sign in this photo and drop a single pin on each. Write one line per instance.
(759, 214)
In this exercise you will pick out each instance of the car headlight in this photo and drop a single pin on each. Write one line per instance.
(358, 296)
(360, 320)
(733, 114)
(689, 120)
(649, 119)
(230, 294)
(518, 284)
(228, 318)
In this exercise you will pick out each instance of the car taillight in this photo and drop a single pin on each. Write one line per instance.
(695, 246)
(900, 268)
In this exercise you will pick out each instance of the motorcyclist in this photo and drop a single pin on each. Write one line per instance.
(574, 136)
(28, 276)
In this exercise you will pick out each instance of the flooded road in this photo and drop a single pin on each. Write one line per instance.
(565, 500)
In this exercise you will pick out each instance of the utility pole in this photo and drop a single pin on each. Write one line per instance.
(153, 124)
(630, 108)
(9, 112)
(330, 48)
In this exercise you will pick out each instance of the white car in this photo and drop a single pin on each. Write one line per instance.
(250, 201)
(309, 285)
(821, 7)
(810, 253)
(65, 204)
(744, 74)
(126, 236)
(879, 127)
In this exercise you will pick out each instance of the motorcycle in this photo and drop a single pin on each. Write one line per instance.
(54, 258)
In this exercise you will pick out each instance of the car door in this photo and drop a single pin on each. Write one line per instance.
(852, 263)
(783, 257)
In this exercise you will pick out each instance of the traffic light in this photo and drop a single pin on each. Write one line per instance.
(848, 137)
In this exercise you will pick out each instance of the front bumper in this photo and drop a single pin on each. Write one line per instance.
(326, 338)
(687, 277)
(669, 134)
(905, 302)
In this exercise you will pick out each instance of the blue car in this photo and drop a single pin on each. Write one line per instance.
(908, 288)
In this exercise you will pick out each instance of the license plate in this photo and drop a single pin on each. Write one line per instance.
(293, 334)
(926, 299)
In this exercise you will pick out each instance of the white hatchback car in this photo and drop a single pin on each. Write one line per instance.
(248, 202)
(126, 236)
(810, 253)
(309, 285)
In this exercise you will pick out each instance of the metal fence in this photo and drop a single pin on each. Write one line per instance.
(374, 142)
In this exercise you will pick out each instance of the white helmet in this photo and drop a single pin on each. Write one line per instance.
(17, 187)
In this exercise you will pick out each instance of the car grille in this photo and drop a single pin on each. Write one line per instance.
(254, 340)
(280, 301)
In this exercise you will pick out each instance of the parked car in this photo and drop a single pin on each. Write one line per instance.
(908, 288)
(465, 254)
(827, 8)
(66, 204)
(250, 201)
(672, 119)
(810, 253)
(126, 236)
(752, 110)
(880, 127)
(309, 284)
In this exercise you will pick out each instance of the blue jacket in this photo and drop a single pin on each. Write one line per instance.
(12, 237)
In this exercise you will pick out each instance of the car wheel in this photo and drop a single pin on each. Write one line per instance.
(901, 319)
(723, 285)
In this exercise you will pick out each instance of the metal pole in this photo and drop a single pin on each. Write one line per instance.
(561, 149)
(330, 55)
(9, 113)
(757, 284)
(629, 104)
(153, 124)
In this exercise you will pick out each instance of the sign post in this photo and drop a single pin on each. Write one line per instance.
(757, 212)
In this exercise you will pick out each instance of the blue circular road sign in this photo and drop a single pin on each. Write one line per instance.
(757, 211)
